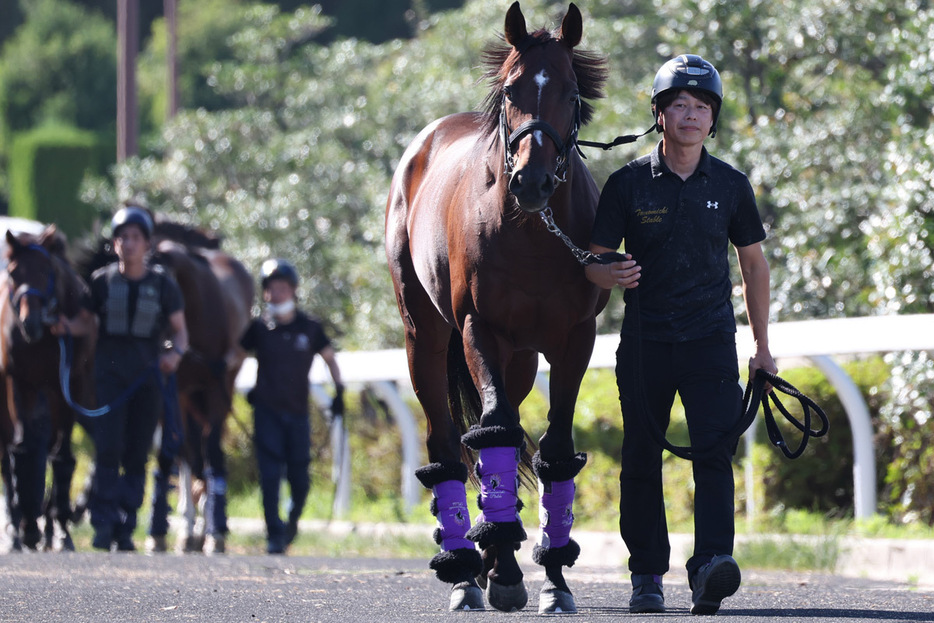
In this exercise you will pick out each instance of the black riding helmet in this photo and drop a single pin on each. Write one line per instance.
(692, 73)
(278, 269)
(132, 215)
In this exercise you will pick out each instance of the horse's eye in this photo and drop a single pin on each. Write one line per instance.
(507, 91)
(575, 97)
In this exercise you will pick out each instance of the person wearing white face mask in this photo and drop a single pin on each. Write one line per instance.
(285, 341)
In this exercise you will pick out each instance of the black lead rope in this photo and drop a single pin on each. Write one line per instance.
(619, 140)
(753, 397)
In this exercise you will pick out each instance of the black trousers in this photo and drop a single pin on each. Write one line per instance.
(705, 374)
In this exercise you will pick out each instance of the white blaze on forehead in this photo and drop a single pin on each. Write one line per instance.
(541, 79)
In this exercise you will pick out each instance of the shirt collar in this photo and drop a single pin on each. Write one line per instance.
(659, 167)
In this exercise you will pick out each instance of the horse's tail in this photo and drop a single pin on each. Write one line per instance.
(465, 406)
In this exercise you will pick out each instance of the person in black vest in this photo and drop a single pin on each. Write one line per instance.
(136, 306)
(285, 341)
(679, 210)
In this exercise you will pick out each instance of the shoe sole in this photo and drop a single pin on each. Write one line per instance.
(723, 580)
(647, 604)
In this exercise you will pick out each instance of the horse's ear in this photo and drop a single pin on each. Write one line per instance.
(11, 240)
(572, 28)
(515, 25)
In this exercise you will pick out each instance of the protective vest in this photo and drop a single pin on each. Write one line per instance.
(145, 322)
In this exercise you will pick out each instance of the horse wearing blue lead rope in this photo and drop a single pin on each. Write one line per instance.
(483, 287)
(35, 420)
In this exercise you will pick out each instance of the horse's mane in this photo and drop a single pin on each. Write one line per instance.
(499, 59)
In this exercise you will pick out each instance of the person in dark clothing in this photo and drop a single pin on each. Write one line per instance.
(678, 210)
(285, 341)
(136, 307)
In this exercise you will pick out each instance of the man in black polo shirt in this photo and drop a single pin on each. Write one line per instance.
(678, 210)
(285, 341)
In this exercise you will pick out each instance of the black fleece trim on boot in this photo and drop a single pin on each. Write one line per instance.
(478, 438)
(564, 556)
(456, 565)
(558, 471)
(487, 533)
(436, 473)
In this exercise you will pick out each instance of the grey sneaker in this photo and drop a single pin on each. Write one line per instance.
(713, 582)
(647, 594)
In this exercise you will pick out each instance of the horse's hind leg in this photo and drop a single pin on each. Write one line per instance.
(458, 562)
(215, 505)
(11, 514)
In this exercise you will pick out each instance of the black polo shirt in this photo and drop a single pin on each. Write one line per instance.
(284, 353)
(678, 231)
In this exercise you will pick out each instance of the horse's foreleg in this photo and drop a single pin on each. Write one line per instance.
(28, 457)
(159, 515)
(187, 508)
(499, 529)
(58, 512)
(556, 549)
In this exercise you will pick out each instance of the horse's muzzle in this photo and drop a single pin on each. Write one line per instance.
(532, 186)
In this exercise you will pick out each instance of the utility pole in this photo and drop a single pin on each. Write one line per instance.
(127, 47)
(170, 8)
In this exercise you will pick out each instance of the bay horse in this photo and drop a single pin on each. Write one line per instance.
(35, 420)
(218, 292)
(481, 280)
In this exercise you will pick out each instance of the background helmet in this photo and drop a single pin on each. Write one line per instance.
(278, 269)
(132, 215)
(691, 72)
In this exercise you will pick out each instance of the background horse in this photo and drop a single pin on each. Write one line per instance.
(35, 421)
(480, 280)
(218, 292)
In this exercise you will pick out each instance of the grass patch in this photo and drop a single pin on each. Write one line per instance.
(788, 552)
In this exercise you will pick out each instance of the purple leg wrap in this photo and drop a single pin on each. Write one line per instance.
(453, 515)
(498, 469)
(556, 512)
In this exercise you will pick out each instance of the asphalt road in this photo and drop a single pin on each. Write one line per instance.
(96, 587)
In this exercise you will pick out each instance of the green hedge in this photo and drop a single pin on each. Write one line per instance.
(47, 166)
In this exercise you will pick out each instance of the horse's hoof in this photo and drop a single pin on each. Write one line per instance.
(214, 544)
(190, 544)
(32, 536)
(466, 596)
(554, 601)
(156, 544)
(62, 543)
(507, 598)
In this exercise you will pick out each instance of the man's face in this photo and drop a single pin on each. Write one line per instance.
(687, 120)
(278, 291)
(131, 243)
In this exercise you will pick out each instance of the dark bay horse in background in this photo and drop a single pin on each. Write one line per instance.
(35, 420)
(480, 280)
(218, 292)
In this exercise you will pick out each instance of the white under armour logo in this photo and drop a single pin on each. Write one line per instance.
(712, 205)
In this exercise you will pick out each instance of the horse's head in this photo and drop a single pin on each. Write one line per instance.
(536, 102)
(33, 280)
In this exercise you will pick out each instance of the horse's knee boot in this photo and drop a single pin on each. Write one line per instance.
(556, 510)
(458, 561)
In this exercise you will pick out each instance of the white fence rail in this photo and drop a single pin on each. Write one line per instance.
(385, 372)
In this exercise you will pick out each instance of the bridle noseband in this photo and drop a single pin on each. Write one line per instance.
(510, 139)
